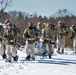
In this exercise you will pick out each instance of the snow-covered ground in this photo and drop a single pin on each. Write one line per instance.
(59, 65)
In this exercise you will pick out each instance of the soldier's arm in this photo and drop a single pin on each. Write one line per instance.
(15, 37)
(25, 34)
(5, 36)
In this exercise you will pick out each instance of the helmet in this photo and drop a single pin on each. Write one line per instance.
(39, 23)
(7, 21)
(30, 23)
(9, 24)
(59, 22)
(44, 25)
(48, 25)
(13, 25)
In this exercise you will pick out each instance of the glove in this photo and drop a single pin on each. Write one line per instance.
(55, 37)
(66, 33)
(71, 37)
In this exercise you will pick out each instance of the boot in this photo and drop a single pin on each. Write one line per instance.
(28, 57)
(62, 52)
(58, 51)
(4, 56)
(15, 58)
(44, 54)
(50, 56)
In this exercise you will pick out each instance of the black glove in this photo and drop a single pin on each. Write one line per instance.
(55, 37)
(26, 35)
(66, 33)
(45, 40)
(71, 37)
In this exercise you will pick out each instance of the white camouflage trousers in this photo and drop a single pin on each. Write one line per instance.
(30, 49)
(74, 45)
(61, 43)
(11, 51)
(2, 48)
(47, 47)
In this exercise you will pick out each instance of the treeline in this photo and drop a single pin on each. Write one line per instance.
(20, 19)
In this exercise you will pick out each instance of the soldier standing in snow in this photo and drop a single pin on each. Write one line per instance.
(10, 37)
(62, 31)
(2, 49)
(38, 29)
(47, 40)
(73, 36)
(30, 36)
(16, 29)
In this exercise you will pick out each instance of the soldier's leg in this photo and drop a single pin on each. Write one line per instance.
(8, 53)
(3, 50)
(62, 45)
(27, 50)
(53, 48)
(33, 51)
(58, 45)
(14, 53)
(44, 48)
(50, 50)
(74, 45)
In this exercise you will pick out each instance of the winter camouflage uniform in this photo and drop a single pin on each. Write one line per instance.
(53, 31)
(47, 40)
(38, 45)
(73, 36)
(18, 32)
(16, 29)
(2, 48)
(30, 36)
(10, 37)
(62, 31)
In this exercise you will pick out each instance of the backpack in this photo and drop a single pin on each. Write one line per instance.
(1, 31)
(65, 27)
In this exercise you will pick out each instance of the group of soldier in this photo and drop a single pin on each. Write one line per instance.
(48, 35)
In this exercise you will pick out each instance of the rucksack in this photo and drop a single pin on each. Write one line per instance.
(1, 31)
(65, 26)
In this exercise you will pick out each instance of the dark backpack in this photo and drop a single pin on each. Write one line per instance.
(1, 32)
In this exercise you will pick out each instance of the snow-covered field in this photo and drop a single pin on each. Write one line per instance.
(59, 65)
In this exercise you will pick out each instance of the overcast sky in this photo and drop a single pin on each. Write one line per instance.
(42, 7)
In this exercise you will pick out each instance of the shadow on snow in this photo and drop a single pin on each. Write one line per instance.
(57, 61)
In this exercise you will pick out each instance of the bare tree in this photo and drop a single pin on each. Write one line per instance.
(4, 4)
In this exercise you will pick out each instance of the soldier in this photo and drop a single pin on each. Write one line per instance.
(7, 21)
(10, 37)
(16, 29)
(44, 51)
(18, 32)
(30, 36)
(39, 27)
(62, 31)
(53, 31)
(73, 36)
(47, 42)
(2, 49)
(38, 49)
